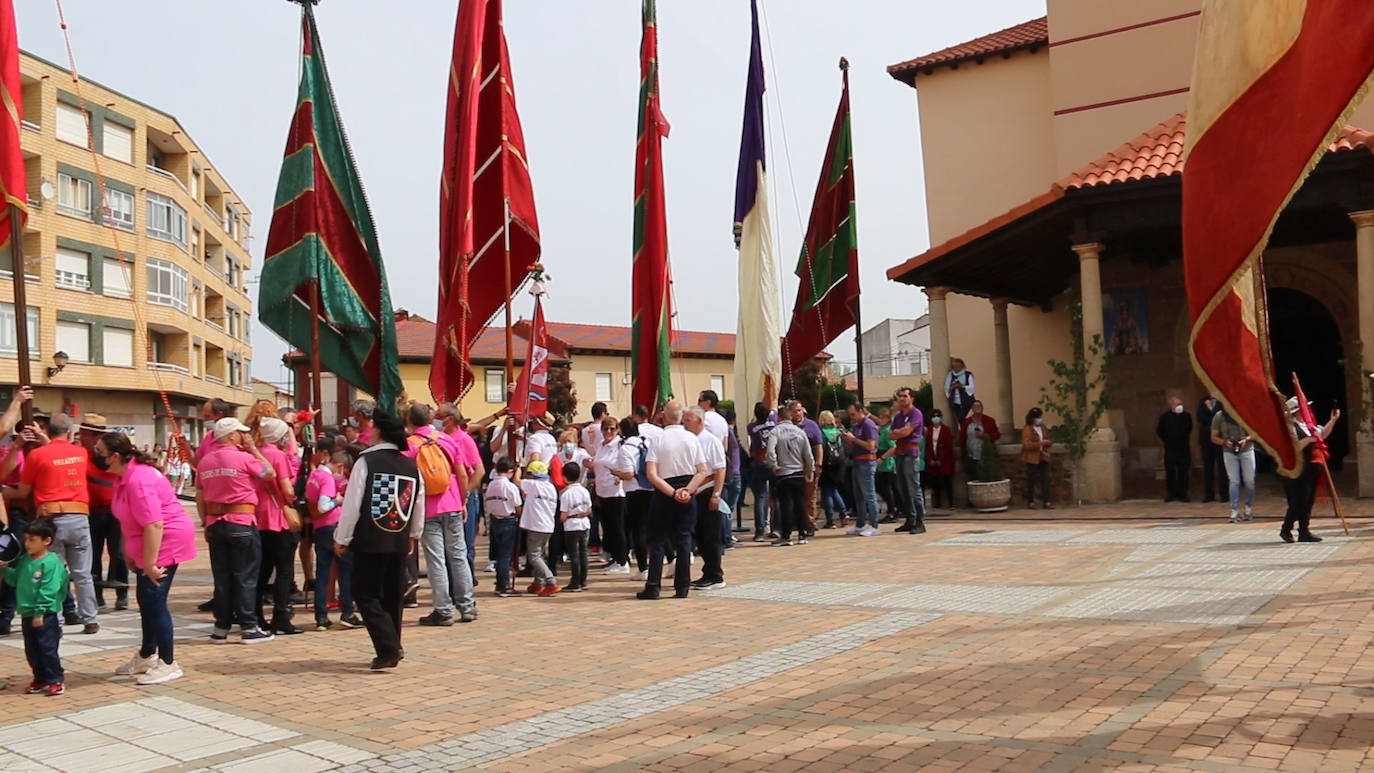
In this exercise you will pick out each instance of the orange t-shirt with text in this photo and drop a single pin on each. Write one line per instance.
(57, 472)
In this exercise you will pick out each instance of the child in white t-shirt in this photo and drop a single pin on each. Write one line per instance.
(502, 503)
(537, 519)
(575, 507)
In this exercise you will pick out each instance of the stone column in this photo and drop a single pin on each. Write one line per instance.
(1001, 346)
(939, 345)
(1101, 467)
(1364, 281)
(1090, 288)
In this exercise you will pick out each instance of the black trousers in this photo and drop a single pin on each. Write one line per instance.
(938, 484)
(277, 570)
(790, 491)
(235, 555)
(611, 512)
(1214, 480)
(708, 539)
(1300, 492)
(1038, 472)
(377, 587)
(1176, 467)
(106, 534)
(671, 523)
(636, 523)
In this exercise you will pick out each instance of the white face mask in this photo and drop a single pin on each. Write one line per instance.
(568, 448)
(1039, 422)
(1178, 409)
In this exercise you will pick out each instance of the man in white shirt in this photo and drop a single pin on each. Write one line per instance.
(591, 434)
(647, 428)
(540, 444)
(715, 423)
(708, 502)
(676, 467)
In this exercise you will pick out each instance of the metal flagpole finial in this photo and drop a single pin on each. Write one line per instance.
(303, 2)
(844, 63)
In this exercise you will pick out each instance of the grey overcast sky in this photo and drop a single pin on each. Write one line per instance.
(228, 70)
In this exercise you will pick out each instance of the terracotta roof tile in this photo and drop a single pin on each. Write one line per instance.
(1158, 153)
(1029, 35)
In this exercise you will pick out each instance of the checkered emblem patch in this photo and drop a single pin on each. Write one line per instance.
(390, 501)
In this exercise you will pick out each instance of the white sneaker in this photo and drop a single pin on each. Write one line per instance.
(161, 672)
(1234, 516)
(137, 665)
(1249, 513)
(854, 531)
(867, 531)
(617, 569)
(491, 566)
(640, 576)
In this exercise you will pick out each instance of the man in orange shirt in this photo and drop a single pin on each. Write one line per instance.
(105, 533)
(55, 473)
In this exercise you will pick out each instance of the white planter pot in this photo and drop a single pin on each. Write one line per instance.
(989, 496)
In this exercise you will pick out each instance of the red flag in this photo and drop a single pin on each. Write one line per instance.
(484, 168)
(651, 298)
(531, 396)
(13, 183)
(1270, 64)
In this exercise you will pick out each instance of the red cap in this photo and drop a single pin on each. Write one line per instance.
(304, 416)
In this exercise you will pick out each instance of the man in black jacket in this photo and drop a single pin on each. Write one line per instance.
(380, 522)
(1175, 429)
(1213, 468)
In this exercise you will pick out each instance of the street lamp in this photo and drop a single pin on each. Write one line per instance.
(60, 361)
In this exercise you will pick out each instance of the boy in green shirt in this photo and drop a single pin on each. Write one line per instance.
(40, 580)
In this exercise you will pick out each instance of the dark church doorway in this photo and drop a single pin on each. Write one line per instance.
(1305, 340)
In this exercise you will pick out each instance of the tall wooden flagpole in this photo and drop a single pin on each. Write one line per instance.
(21, 305)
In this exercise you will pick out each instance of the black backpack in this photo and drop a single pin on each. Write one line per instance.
(833, 452)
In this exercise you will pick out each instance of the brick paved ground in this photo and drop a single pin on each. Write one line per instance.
(1095, 641)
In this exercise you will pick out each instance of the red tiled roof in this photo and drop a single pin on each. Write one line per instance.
(1155, 154)
(1027, 36)
(1158, 153)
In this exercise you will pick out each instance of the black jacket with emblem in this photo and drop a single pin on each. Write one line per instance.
(391, 490)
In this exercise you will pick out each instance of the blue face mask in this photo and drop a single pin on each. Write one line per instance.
(935, 420)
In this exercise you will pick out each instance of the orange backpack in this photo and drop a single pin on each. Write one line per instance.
(435, 468)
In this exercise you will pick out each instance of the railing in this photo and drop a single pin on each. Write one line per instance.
(35, 203)
(31, 126)
(216, 270)
(213, 379)
(165, 173)
(215, 325)
(167, 366)
(214, 215)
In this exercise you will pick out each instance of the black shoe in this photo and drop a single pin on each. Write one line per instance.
(919, 528)
(436, 619)
(1307, 536)
(903, 527)
(70, 618)
(350, 621)
(100, 602)
(296, 597)
(5, 629)
(1184, 499)
(702, 583)
(121, 601)
(208, 606)
(1208, 499)
(382, 664)
(285, 628)
(647, 595)
(681, 594)
(1286, 536)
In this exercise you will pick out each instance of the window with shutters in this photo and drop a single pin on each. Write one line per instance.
(116, 278)
(166, 220)
(71, 125)
(718, 386)
(119, 142)
(73, 269)
(9, 345)
(74, 338)
(73, 196)
(603, 386)
(496, 385)
(117, 346)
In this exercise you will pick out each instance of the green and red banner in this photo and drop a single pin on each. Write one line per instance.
(322, 240)
(488, 227)
(14, 195)
(651, 283)
(829, 264)
(1273, 82)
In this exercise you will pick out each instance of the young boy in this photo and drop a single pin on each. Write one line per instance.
(502, 506)
(40, 579)
(324, 491)
(538, 518)
(575, 507)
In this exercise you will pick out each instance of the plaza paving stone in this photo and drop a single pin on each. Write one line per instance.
(1136, 637)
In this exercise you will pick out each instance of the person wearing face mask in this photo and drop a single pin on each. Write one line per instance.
(1175, 431)
(569, 452)
(1035, 453)
(940, 460)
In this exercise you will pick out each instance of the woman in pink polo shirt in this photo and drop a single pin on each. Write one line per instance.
(158, 537)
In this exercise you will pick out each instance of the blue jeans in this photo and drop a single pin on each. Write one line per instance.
(1240, 469)
(323, 538)
(474, 511)
(832, 503)
(502, 532)
(40, 647)
(760, 483)
(235, 557)
(450, 577)
(152, 612)
(910, 496)
(865, 495)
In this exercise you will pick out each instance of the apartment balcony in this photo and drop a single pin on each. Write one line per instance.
(157, 170)
(168, 367)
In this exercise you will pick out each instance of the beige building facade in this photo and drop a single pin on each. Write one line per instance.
(1017, 124)
(136, 271)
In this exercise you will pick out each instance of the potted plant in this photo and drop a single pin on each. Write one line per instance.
(989, 490)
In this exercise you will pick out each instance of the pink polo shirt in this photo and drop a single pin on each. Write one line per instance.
(453, 498)
(15, 447)
(142, 496)
(226, 475)
(468, 454)
(322, 483)
(206, 443)
(271, 514)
